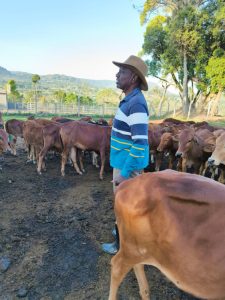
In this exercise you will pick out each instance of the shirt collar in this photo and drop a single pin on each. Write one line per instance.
(131, 94)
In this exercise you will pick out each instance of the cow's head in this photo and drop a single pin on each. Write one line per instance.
(218, 155)
(165, 141)
(4, 146)
(186, 139)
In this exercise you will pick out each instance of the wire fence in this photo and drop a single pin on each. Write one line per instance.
(61, 109)
(104, 110)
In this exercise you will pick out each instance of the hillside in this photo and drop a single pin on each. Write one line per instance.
(53, 82)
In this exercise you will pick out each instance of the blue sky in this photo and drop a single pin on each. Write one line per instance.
(72, 37)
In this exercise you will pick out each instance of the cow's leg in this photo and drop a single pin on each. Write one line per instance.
(80, 157)
(41, 160)
(171, 160)
(203, 168)
(29, 158)
(73, 156)
(95, 159)
(203, 172)
(142, 281)
(65, 154)
(33, 154)
(12, 144)
(119, 269)
(102, 154)
(221, 178)
(158, 160)
(184, 165)
(198, 168)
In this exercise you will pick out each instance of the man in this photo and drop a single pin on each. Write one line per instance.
(129, 151)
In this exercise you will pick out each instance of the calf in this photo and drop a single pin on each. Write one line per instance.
(1, 121)
(175, 222)
(33, 137)
(14, 128)
(84, 136)
(169, 146)
(218, 156)
(4, 144)
(191, 149)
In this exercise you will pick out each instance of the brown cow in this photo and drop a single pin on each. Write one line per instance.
(1, 121)
(155, 132)
(169, 147)
(84, 136)
(218, 156)
(4, 144)
(51, 141)
(191, 149)
(61, 119)
(14, 128)
(175, 222)
(33, 137)
(176, 121)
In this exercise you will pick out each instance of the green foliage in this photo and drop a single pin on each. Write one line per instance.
(13, 94)
(60, 96)
(107, 96)
(215, 71)
(191, 29)
(71, 98)
(35, 78)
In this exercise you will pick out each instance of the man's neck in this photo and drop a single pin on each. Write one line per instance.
(129, 90)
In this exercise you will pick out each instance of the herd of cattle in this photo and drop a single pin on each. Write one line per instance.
(174, 144)
(178, 226)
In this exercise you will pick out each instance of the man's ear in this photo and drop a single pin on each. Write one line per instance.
(135, 78)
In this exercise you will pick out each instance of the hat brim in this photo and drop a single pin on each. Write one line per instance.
(144, 84)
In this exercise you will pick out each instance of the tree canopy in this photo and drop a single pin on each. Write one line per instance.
(186, 40)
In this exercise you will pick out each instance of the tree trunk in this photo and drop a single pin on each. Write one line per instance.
(162, 100)
(185, 84)
(214, 107)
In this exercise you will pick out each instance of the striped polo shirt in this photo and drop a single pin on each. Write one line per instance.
(129, 149)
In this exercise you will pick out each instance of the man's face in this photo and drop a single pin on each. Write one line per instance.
(124, 78)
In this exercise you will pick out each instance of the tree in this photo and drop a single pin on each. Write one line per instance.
(181, 42)
(13, 94)
(215, 71)
(107, 95)
(35, 79)
(60, 96)
(71, 98)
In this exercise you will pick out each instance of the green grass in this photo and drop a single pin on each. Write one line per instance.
(23, 117)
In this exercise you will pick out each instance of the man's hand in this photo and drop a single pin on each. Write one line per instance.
(118, 179)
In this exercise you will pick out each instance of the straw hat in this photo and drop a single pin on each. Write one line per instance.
(139, 67)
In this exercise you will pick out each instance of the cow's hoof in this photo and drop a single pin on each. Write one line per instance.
(101, 178)
(39, 173)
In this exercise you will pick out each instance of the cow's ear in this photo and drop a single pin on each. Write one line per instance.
(175, 138)
(209, 148)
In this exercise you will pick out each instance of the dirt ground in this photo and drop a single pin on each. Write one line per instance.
(51, 230)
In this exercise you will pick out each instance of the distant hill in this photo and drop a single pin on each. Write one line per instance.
(54, 82)
(51, 82)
